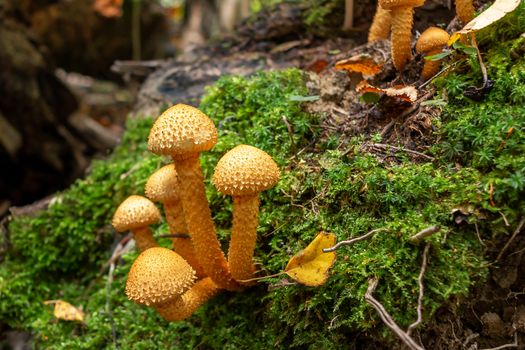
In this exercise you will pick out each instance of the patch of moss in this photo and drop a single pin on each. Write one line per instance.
(321, 189)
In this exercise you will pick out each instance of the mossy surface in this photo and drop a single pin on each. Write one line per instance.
(58, 254)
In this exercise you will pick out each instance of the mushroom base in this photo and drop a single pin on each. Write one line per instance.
(184, 306)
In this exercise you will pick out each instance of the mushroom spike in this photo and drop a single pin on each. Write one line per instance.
(243, 172)
(163, 186)
(182, 132)
(380, 28)
(136, 213)
(402, 18)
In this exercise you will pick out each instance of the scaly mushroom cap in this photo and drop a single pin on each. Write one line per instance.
(135, 212)
(163, 185)
(432, 38)
(182, 130)
(390, 4)
(245, 170)
(157, 276)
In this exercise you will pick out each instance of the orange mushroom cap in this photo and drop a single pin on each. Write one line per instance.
(182, 130)
(134, 212)
(245, 170)
(432, 38)
(157, 276)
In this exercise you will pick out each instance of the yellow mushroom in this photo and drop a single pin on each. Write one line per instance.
(431, 42)
(163, 186)
(402, 12)
(380, 28)
(161, 278)
(182, 132)
(136, 213)
(243, 173)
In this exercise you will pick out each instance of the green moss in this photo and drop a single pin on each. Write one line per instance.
(321, 189)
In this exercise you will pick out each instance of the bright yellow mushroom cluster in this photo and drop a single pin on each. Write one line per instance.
(176, 282)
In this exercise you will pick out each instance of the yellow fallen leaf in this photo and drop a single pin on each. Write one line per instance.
(310, 266)
(360, 64)
(494, 13)
(65, 311)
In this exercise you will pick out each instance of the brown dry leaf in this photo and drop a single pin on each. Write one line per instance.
(403, 92)
(310, 266)
(360, 64)
(494, 13)
(108, 8)
(65, 311)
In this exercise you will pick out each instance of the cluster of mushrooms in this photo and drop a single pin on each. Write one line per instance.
(176, 282)
(394, 18)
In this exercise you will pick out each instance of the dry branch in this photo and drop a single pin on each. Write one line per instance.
(418, 237)
(386, 318)
(353, 240)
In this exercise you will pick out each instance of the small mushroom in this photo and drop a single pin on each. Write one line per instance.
(401, 37)
(136, 213)
(161, 278)
(243, 173)
(163, 186)
(431, 42)
(380, 28)
(182, 132)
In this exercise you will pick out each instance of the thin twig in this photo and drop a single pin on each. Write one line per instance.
(518, 229)
(353, 240)
(421, 290)
(478, 234)
(386, 318)
(504, 346)
(418, 237)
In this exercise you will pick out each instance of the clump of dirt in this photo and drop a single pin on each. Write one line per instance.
(396, 122)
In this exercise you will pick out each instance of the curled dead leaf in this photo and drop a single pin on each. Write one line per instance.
(359, 64)
(310, 266)
(403, 92)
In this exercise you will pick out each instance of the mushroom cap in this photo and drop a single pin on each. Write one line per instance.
(390, 4)
(432, 38)
(245, 170)
(159, 275)
(182, 130)
(163, 185)
(134, 212)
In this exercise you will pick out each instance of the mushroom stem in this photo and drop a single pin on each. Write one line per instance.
(380, 28)
(244, 236)
(184, 306)
(402, 20)
(430, 68)
(143, 238)
(465, 10)
(183, 246)
(200, 224)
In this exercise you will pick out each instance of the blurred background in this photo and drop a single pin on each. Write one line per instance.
(64, 99)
